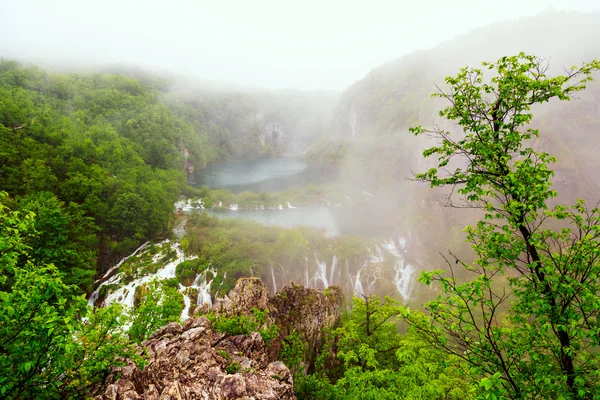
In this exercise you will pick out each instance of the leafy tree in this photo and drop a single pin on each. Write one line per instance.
(378, 362)
(48, 349)
(64, 237)
(159, 304)
(528, 320)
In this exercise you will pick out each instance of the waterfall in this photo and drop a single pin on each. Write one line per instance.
(202, 284)
(403, 278)
(306, 274)
(234, 207)
(403, 272)
(333, 264)
(203, 287)
(283, 273)
(377, 256)
(188, 205)
(289, 205)
(358, 287)
(273, 277)
(94, 296)
(122, 261)
(321, 273)
(126, 294)
(187, 303)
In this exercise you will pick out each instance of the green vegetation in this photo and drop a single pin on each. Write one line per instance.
(301, 196)
(103, 157)
(92, 165)
(48, 349)
(157, 304)
(327, 155)
(368, 358)
(527, 323)
(246, 324)
(237, 248)
(96, 156)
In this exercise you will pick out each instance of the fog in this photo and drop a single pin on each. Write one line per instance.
(271, 44)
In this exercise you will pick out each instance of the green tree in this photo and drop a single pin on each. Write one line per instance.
(528, 322)
(64, 237)
(378, 362)
(159, 304)
(51, 345)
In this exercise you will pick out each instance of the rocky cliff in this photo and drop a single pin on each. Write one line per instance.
(194, 361)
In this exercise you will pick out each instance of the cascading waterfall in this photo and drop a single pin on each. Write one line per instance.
(306, 273)
(122, 261)
(333, 264)
(126, 294)
(403, 278)
(94, 297)
(274, 282)
(188, 205)
(187, 303)
(358, 287)
(202, 284)
(319, 276)
(204, 287)
(403, 272)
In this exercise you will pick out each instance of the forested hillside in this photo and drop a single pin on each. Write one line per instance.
(102, 157)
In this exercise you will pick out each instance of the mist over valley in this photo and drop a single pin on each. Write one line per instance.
(279, 209)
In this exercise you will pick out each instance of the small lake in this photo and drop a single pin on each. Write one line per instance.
(262, 175)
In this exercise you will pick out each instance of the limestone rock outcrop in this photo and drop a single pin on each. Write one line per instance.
(194, 361)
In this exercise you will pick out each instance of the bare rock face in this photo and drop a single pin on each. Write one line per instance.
(192, 362)
(247, 294)
(308, 312)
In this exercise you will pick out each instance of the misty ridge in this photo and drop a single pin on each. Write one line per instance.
(291, 227)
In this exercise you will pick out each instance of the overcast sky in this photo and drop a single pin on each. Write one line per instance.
(308, 44)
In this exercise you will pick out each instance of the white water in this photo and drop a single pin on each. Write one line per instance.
(403, 272)
(333, 264)
(122, 261)
(403, 278)
(320, 275)
(187, 303)
(202, 285)
(94, 297)
(188, 205)
(274, 281)
(358, 287)
(126, 294)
